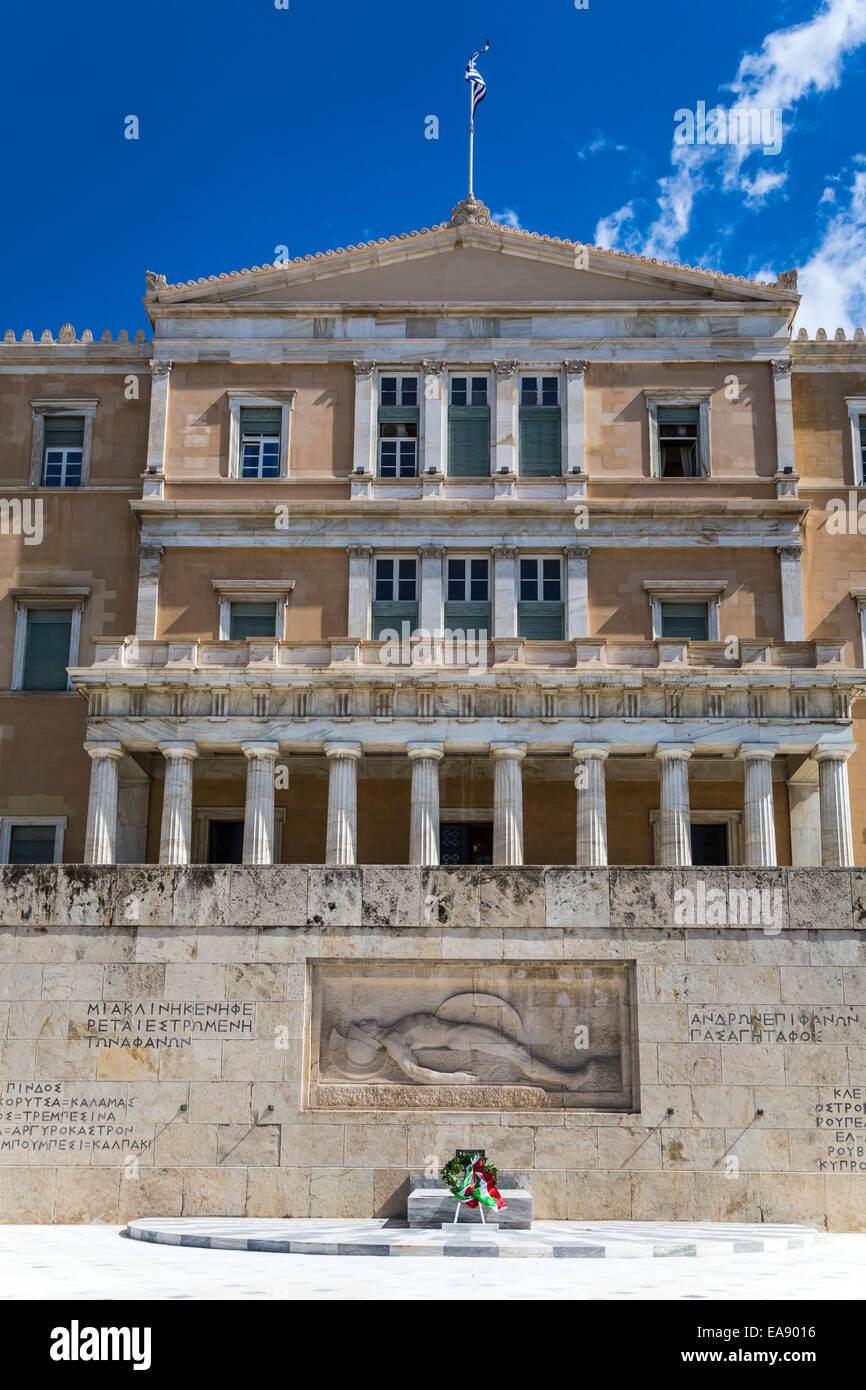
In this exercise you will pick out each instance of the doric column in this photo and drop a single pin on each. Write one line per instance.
(342, 832)
(507, 802)
(424, 819)
(759, 824)
(363, 452)
(433, 445)
(360, 609)
(149, 562)
(430, 607)
(259, 809)
(577, 591)
(101, 842)
(504, 451)
(791, 576)
(157, 428)
(574, 456)
(176, 834)
(837, 840)
(591, 803)
(675, 831)
(505, 591)
(784, 414)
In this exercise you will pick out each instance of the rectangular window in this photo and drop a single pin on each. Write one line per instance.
(395, 595)
(709, 844)
(678, 433)
(469, 428)
(62, 450)
(540, 432)
(398, 390)
(467, 596)
(686, 621)
(252, 620)
(32, 844)
(46, 658)
(863, 448)
(399, 420)
(540, 612)
(260, 430)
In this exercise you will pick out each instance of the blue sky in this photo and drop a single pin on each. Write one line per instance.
(305, 127)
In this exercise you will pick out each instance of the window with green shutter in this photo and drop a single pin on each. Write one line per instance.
(469, 428)
(260, 431)
(47, 653)
(399, 419)
(540, 611)
(395, 596)
(467, 596)
(252, 620)
(540, 427)
(686, 620)
(62, 450)
(32, 844)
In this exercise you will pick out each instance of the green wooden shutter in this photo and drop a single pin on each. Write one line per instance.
(685, 620)
(32, 844)
(541, 622)
(252, 620)
(678, 415)
(469, 441)
(391, 614)
(540, 441)
(63, 432)
(468, 617)
(266, 419)
(47, 656)
(399, 415)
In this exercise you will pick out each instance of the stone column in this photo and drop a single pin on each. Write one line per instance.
(433, 456)
(507, 802)
(101, 842)
(577, 591)
(158, 425)
(175, 839)
(759, 826)
(259, 809)
(505, 591)
(791, 576)
(363, 453)
(675, 837)
(424, 818)
(149, 562)
(784, 414)
(504, 451)
(591, 803)
(837, 840)
(431, 613)
(360, 608)
(574, 453)
(342, 833)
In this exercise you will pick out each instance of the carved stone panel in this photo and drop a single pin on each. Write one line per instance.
(424, 1035)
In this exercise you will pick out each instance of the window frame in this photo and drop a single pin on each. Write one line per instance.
(401, 375)
(857, 412)
(708, 591)
(56, 406)
(539, 377)
(538, 558)
(8, 823)
(700, 397)
(231, 591)
(259, 400)
(732, 819)
(26, 600)
(395, 556)
(469, 375)
(467, 557)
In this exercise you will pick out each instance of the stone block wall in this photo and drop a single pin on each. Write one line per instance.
(156, 1040)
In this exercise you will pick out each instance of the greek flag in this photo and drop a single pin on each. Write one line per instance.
(479, 86)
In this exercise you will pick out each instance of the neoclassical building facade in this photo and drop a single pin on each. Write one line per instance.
(468, 545)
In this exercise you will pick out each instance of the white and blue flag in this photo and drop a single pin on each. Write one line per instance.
(478, 90)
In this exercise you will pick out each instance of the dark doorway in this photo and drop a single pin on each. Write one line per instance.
(466, 844)
(225, 842)
(709, 844)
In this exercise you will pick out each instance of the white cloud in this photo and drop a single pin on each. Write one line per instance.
(829, 195)
(618, 230)
(766, 181)
(599, 143)
(508, 218)
(833, 280)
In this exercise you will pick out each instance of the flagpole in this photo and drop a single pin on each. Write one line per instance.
(471, 144)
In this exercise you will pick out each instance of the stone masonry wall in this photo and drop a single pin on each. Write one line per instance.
(155, 1048)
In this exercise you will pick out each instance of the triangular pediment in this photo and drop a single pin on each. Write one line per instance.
(476, 264)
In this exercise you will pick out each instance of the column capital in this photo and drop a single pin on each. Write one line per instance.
(149, 551)
(575, 366)
(431, 552)
(425, 750)
(674, 751)
(433, 367)
(508, 750)
(343, 750)
(104, 750)
(748, 751)
(178, 750)
(782, 366)
(789, 552)
(359, 552)
(505, 367)
(160, 368)
(577, 552)
(261, 750)
(363, 369)
(590, 750)
(829, 754)
(504, 552)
